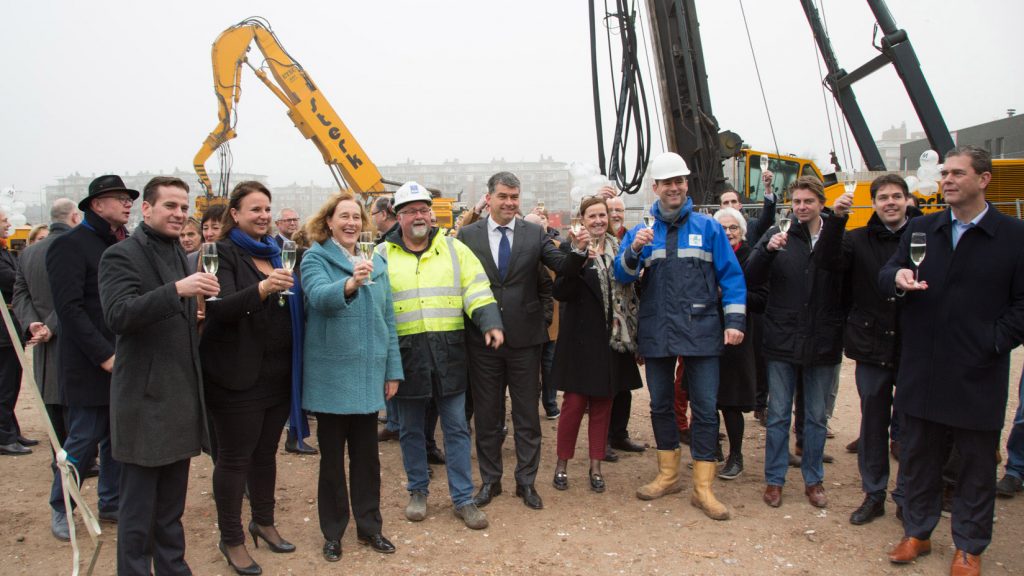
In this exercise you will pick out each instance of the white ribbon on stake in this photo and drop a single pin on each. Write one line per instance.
(69, 475)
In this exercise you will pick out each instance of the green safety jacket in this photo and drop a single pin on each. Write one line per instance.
(433, 292)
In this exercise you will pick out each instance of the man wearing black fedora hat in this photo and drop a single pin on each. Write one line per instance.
(86, 353)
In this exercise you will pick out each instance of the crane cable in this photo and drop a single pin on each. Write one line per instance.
(632, 122)
(841, 125)
(757, 69)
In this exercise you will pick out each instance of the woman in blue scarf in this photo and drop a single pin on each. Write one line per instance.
(251, 339)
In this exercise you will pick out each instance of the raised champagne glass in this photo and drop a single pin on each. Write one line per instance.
(288, 249)
(365, 247)
(648, 219)
(783, 219)
(918, 246)
(210, 262)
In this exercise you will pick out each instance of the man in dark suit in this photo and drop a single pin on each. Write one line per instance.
(156, 397)
(33, 304)
(86, 352)
(960, 320)
(510, 250)
(10, 368)
(287, 224)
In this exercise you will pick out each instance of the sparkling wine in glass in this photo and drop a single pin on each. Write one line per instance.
(648, 219)
(918, 246)
(365, 247)
(784, 220)
(764, 163)
(288, 260)
(850, 186)
(210, 261)
(576, 224)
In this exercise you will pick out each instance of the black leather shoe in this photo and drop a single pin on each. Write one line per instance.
(14, 449)
(435, 456)
(282, 547)
(529, 496)
(90, 472)
(378, 542)
(27, 441)
(332, 550)
(250, 570)
(627, 445)
(868, 511)
(488, 490)
(561, 481)
(610, 455)
(597, 482)
(298, 446)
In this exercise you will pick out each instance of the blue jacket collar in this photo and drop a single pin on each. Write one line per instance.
(683, 212)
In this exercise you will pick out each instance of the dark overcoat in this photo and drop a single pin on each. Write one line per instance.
(737, 367)
(584, 362)
(156, 398)
(33, 302)
(956, 336)
(72, 263)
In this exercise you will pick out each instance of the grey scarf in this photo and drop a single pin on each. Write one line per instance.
(620, 301)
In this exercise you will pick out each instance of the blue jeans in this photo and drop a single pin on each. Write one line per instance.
(392, 413)
(700, 378)
(548, 392)
(452, 412)
(89, 429)
(1015, 444)
(817, 383)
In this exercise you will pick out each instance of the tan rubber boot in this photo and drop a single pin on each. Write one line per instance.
(703, 498)
(667, 480)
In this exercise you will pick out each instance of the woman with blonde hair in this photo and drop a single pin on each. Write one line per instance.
(351, 366)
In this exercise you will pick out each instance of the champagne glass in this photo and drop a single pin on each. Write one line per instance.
(210, 262)
(288, 260)
(850, 186)
(366, 246)
(576, 224)
(764, 163)
(648, 219)
(918, 246)
(540, 204)
(784, 220)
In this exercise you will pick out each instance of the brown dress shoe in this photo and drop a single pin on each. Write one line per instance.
(816, 495)
(852, 446)
(909, 549)
(965, 564)
(773, 495)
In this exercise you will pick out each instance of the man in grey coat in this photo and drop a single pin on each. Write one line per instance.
(156, 398)
(33, 304)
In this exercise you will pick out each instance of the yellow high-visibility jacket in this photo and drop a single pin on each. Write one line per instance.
(431, 292)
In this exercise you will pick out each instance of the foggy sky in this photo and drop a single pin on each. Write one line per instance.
(120, 86)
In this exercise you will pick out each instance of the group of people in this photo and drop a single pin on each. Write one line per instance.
(163, 354)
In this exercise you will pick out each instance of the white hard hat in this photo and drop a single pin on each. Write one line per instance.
(411, 192)
(668, 165)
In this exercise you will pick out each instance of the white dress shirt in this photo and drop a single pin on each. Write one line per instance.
(494, 236)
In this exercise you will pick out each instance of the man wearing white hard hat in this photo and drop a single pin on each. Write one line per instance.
(436, 281)
(686, 260)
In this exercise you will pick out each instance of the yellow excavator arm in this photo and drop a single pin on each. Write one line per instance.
(307, 107)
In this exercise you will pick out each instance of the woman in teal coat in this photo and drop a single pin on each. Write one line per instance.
(351, 365)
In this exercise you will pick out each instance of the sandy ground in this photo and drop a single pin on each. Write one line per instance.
(578, 532)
